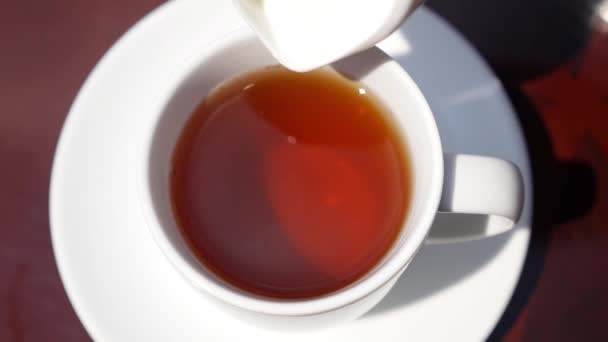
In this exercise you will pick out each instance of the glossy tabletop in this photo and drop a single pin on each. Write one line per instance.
(551, 55)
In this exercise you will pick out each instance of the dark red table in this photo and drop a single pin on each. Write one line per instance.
(552, 56)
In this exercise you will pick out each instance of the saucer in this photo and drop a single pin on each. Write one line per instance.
(122, 287)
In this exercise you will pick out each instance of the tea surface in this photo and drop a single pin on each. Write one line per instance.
(290, 185)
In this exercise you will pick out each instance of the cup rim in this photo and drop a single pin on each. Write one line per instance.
(308, 306)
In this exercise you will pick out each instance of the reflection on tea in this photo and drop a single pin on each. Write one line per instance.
(290, 185)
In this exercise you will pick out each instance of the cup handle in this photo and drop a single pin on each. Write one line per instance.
(482, 196)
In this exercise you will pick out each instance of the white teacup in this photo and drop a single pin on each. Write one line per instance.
(450, 184)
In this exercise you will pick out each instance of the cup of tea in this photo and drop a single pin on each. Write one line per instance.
(296, 200)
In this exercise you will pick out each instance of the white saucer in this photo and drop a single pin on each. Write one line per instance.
(123, 289)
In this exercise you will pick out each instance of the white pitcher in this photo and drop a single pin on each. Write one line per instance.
(306, 34)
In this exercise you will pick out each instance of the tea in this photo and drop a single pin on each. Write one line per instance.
(290, 185)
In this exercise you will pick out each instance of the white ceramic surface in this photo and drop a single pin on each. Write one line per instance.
(474, 184)
(239, 52)
(307, 34)
(122, 287)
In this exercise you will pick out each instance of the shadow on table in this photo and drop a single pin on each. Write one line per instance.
(521, 39)
(563, 191)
